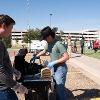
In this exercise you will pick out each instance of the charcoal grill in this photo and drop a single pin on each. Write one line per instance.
(40, 86)
(31, 78)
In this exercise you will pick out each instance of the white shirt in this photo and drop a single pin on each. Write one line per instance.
(44, 44)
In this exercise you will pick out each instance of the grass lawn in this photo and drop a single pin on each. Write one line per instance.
(91, 53)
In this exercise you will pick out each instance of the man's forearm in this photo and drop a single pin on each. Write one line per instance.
(41, 53)
(6, 78)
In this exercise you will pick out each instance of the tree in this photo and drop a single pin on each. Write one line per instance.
(55, 29)
(16, 40)
(60, 35)
(61, 32)
(32, 34)
(7, 41)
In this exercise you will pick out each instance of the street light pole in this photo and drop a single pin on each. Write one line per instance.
(50, 19)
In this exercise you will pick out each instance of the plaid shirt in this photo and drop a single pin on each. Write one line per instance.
(6, 69)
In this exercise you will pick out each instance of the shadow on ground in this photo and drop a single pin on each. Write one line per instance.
(88, 93)
(76, 56)
(69, 95)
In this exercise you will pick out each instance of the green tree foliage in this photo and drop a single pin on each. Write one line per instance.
(55, 29)
(60, 35)
(32, 34)
(7, 41)
(61, 32)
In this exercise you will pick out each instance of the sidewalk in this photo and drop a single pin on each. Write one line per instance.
(88, 65)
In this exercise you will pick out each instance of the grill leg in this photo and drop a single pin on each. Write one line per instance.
(46, 93)
(31, 95)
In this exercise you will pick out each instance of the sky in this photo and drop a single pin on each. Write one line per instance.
(66, 14)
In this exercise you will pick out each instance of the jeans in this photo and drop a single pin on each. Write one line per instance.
(8, 94)
(59, 76)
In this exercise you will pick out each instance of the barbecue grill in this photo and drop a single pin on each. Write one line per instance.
(31, 78)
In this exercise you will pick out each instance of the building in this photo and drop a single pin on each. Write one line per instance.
(88, 34)
(17, 36)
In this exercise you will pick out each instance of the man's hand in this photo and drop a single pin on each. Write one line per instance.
(20, 89)
(51, 64)
(33, 59)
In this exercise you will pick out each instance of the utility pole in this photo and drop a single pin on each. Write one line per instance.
(28, 16)
(28, 19)
(50, 18)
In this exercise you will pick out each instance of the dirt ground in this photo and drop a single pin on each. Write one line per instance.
(77, 85)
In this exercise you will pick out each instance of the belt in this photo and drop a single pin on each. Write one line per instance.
(60, 64)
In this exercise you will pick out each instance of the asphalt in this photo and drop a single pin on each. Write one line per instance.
(88, 65)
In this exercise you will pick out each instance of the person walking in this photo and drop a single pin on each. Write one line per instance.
(82, 45)
(75, 45)
(95, 45)
(69, 45)
(59, 56)
(8, 85)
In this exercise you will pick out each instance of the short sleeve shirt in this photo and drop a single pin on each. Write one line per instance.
(56, 49)
(44, 44)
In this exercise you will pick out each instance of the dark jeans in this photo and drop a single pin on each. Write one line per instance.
(8, 94)
(95, 50)
(59, 75)
(82, 49)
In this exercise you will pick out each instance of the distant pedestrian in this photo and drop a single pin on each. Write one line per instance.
(91, 45)
(75, 46)
(95, 45)
(82, 45)
(7, 84)
(69, 46)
